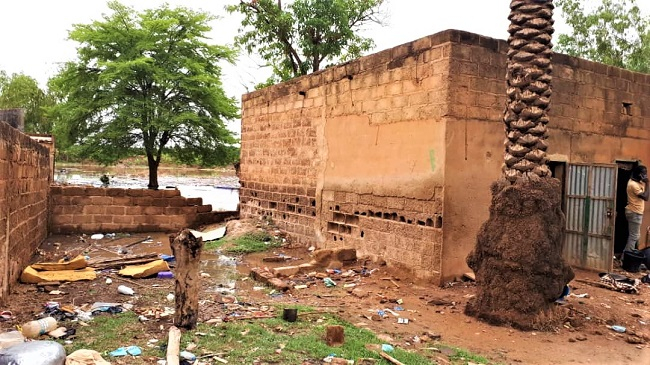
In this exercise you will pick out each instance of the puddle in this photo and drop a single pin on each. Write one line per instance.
(222, 270)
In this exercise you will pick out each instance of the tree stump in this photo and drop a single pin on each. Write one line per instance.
(187, 250)
(335, 335)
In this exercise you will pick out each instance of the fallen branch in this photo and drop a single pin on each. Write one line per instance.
(128, 281)
(122, 261)
(174, 346)
(392, 281)
(138, 241)
(593, 283)
(391, 359)
(228, 318)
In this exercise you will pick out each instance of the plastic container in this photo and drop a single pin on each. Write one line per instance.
(123, 289)
(290, 314)
(619, 329)
(33, 329)
(9, 339)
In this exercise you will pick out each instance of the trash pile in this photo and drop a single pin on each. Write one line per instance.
(39, 341)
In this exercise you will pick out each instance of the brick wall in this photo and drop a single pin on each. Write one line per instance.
(353, 155)
(24, 184)
(78, 209)
(589, 123)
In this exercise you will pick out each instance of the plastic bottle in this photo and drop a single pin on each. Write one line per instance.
(123, 289)
(9, 339)
(34, 329)
(619, 329)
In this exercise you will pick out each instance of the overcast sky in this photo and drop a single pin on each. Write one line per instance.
(33, 33)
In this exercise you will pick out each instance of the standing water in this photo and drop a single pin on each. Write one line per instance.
(221, 191)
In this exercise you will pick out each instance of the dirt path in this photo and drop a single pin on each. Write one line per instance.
(590, 342)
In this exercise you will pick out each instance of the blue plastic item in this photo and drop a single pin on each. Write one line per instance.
(165, 275)
(387, 348)
(167, 258)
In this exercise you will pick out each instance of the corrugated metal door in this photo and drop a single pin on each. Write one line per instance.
(590, 199)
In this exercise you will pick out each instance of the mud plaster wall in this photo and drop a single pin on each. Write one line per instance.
(24, 185)
(77, 209)
(354, 155)
(589, 124)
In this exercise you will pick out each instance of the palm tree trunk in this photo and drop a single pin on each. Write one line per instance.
(518, 255)
(528, 78)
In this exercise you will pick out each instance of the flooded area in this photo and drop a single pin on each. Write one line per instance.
(217, 187)
(221, 270)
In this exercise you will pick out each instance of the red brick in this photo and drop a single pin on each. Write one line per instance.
(115, 210)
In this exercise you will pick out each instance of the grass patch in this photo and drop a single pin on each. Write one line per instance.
(461, 356)
(246, 341)
(251, 242)
(106, 333)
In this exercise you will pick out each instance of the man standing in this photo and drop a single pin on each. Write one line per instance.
(637, 195)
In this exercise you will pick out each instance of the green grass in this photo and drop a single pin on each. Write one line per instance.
(248, 243)
(242, 342)
(106, 333)
(463, 357)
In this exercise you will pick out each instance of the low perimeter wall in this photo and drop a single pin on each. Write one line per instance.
(24, 184)
(79, 209)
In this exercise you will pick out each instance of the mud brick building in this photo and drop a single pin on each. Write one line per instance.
(394, 153)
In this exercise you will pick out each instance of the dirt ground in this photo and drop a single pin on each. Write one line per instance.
(585, 337)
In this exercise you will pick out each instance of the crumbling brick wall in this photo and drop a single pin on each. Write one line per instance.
(353, 155)
(81, 209)
(24, 185)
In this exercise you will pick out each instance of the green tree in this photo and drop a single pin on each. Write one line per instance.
(303, 35)
(614, 32)
(22, 91)
(149, 82)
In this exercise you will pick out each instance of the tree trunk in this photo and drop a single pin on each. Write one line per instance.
(187, 250)
(518, 255)
(153, 171)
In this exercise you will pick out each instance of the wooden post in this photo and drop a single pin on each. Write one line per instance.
(187, 250)
(335, 336)
(173, 346)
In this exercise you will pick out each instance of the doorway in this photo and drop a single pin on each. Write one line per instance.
(590, 207)
(620, 229)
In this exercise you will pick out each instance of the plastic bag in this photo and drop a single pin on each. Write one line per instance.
(33, 353)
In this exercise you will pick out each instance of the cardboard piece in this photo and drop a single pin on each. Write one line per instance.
(86, 357)
(31, 276)
(145, 270)
(210, 235)
(78, 262)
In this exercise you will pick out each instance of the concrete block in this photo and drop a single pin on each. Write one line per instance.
(345, 254)
(286, 271)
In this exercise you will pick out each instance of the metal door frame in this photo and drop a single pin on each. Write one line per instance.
(585, 228)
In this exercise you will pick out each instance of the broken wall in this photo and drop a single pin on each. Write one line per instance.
(80, 209)
(597, 115)
(354, 155)
(24, 186)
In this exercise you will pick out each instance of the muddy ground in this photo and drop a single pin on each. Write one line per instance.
(585, 337)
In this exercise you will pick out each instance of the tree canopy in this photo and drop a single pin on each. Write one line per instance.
(614, 32)
(146, 82)
(22, 91)
(302, 36)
